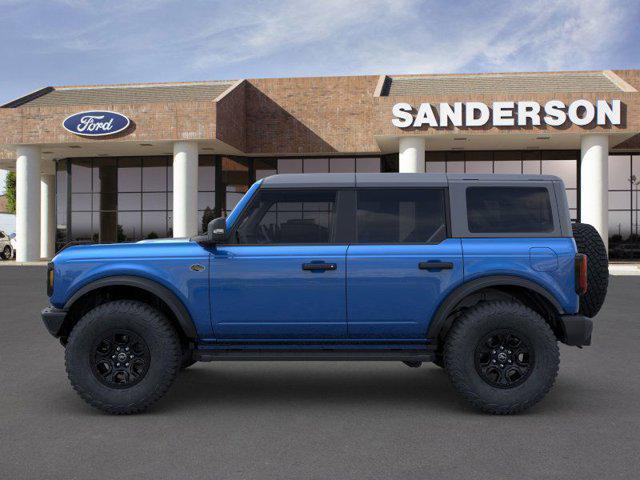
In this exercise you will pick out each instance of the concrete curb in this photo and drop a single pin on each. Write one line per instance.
(624, 269)
(11, 263)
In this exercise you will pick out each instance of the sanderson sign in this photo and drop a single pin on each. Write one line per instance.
(96, 123)
(507, 114)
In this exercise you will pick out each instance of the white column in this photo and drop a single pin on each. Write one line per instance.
(47, 215)
(185, 189)
(594, 183)
(411, 154)
(28, 203)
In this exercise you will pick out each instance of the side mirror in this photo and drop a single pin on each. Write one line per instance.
(217, 231)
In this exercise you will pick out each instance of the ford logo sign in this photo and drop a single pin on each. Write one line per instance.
(96, 123)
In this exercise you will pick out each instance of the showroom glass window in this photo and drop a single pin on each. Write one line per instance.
(624, 203)
(123, 199)
(400, 216)
(289, 217)
(271, 166)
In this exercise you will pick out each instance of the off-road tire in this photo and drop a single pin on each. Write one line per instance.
(469, 331)
(590, 243)
(6, 253)
(147, 323)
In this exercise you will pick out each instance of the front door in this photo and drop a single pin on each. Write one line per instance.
(283, 274)
(402, 263)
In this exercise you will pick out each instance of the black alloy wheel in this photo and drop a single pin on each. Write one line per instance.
(504, 358)
(6, 252)
(120, 359)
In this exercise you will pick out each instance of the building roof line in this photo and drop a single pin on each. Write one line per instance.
(619, 81)
(380, 85)
(143, 85)
(231, 88)
(27, 98)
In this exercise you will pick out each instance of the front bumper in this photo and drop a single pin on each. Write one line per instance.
(576, 330)
(53, 319)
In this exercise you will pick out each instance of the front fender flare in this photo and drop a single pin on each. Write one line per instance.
(167, 296)
(440, 323)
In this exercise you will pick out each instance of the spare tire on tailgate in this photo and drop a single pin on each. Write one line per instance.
(589, 242)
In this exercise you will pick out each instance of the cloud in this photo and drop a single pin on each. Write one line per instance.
(542, 35)
(289, 25)
(78, 41)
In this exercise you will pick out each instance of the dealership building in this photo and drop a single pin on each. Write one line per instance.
(115, 163)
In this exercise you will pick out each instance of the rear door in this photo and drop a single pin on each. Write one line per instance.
(402, 263)
(284, 277)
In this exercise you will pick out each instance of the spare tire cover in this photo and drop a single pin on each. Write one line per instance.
(589, 242)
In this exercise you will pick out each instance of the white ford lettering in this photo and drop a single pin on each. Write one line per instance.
(554, 113)
(96, 123)
(89, 123)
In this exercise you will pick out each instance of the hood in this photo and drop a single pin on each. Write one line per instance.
(162, 247)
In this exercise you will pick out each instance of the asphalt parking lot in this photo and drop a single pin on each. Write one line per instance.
(317, 420)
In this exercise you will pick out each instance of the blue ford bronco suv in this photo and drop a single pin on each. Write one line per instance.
(482, 275)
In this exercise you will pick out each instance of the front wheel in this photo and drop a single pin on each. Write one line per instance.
(6, 253)
(502, 357)
(122, 356)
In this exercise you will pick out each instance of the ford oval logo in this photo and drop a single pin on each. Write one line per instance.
(96, 123)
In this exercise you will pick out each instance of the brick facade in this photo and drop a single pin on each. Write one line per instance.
(291, 116)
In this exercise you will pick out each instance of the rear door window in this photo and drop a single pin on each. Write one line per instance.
(401, 216)
(509, 210)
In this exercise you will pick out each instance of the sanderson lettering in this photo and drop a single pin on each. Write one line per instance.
(507, 114)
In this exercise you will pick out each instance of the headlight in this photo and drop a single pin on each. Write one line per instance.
(49, 279)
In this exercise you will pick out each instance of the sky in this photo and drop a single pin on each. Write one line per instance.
(76, 42)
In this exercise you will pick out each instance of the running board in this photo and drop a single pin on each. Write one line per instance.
(311, 355)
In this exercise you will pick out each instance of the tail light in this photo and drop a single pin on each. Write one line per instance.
(49, 279)
(581, 273)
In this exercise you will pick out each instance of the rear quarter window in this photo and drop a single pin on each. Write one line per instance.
(509, 210)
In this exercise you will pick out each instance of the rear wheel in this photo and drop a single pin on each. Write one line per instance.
(122, 356)
(502, 357)
(6, 253)
(589, 242)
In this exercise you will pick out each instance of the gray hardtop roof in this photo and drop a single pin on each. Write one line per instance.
(319, 180)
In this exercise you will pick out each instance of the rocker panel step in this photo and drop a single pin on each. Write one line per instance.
(377, 355)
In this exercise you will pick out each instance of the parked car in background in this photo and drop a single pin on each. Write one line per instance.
(14, 243)
(6, 246)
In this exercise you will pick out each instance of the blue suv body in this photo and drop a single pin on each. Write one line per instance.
(407, 267)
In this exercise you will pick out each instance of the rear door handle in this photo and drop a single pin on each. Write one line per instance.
(319, 266)
(435, 265)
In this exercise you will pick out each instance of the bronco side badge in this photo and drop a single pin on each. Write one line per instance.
(196, 267)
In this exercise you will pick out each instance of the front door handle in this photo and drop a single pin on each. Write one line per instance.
(435, 265)
(319, 266)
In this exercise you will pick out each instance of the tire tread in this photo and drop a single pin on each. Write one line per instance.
(458, 336)
(164, 329)
(589, 242)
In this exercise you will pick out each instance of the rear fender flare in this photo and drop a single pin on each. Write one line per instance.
(441, 322)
